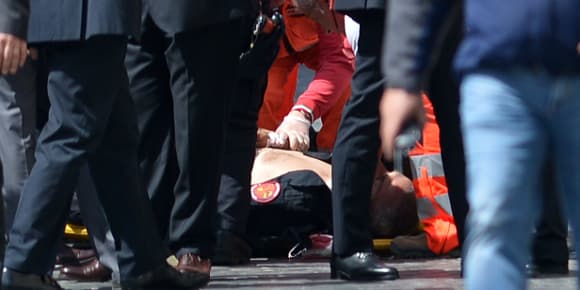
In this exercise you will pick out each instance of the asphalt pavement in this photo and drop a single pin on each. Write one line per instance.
(434, 274)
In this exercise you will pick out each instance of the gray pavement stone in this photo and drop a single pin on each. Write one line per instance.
(435, 274)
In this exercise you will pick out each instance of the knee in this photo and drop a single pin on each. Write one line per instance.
(11, 195)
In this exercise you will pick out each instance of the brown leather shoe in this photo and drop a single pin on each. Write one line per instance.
(92, 271)
(72, 256)
(193, 263)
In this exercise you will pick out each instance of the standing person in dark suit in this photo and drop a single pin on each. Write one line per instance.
(13, 55)
(355, 152)
(182, 76)
(18, 134)
(92, 122)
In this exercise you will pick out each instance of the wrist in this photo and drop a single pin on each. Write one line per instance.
(304, 111)
(297, 117)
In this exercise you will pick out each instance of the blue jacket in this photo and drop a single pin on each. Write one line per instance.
(543, 34)
(502, 34)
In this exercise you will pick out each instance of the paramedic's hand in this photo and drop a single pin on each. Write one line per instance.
(398, 107)
(13, 53)
(294, 131)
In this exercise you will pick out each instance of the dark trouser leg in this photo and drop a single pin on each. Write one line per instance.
(96, 222)
(356, 149)
(115, 170)
(444, 94)
(17, 141)
(239, 153)
(550, 241)
(151, 93)
(17, 135)
(234, 191)
(91, 119)
(203, 65)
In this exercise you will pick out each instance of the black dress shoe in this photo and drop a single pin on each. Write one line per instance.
(230, 250)
(362, 267)
(12, 280)
(547, 269)
(166, 277)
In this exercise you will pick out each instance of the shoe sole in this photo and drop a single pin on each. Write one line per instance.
(65, 277)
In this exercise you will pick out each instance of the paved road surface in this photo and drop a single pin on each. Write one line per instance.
(438, 274)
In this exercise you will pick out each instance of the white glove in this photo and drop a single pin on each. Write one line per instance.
(294, 131)
(275, 141)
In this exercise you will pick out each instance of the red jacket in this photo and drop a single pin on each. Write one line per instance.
(333, 62)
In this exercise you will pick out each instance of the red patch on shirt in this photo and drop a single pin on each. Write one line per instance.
(265, 192)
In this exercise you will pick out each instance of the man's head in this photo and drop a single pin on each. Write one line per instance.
(393, 206)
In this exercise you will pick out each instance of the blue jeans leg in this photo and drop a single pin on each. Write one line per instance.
(505, 141)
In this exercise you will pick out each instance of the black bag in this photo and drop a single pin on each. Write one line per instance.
(286, 210)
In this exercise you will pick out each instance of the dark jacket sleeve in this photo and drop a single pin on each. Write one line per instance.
(14, 17)
(413, 30)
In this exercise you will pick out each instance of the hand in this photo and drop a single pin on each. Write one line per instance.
(398, 107)
(268, 138)
(13, 53)
(294, 131)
